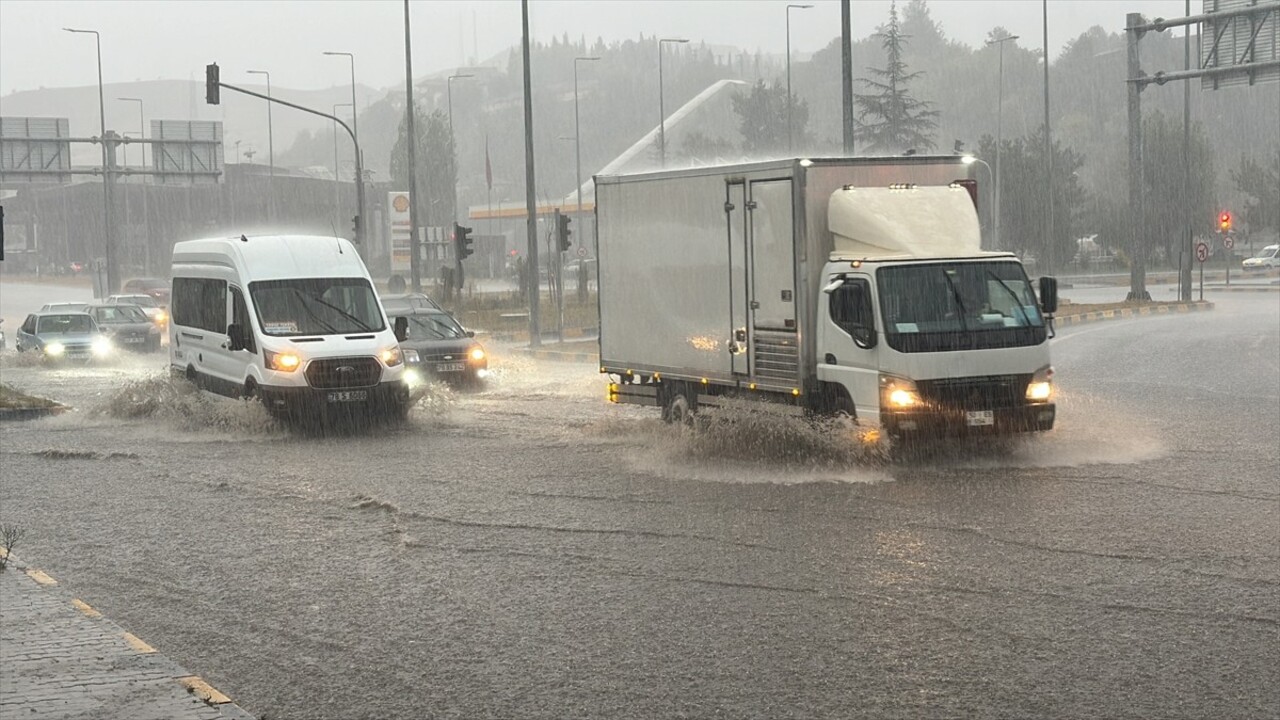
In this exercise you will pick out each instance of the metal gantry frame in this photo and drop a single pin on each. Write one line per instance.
(1247, 65)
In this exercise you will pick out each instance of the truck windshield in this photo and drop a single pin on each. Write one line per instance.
(316, 306)
(937, 307)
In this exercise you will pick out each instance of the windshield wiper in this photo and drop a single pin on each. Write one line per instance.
(362, 325)
(311, 312)
(1017, 302)
(964, 327)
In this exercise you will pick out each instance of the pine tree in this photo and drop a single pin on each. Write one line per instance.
(889, 118)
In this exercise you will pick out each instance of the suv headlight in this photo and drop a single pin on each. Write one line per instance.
(391, 356)
(101, 346)
(477, 353)
(1040, 389)
(283, 361)
(898, 393)
(55, 349)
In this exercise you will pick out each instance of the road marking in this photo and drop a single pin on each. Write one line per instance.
(85, 608)
(40, 577)
(137, 643)
(203, 690)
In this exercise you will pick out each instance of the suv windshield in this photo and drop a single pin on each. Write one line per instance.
(938, 307)
(64, 324)
(316, 306)
(140, 300)
(435, 326)
(119, 314)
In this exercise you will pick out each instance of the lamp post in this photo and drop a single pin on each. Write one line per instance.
(789, 100)
(146, 210)
(449, 94)
(355, 130)
(999, 134)
(1048, 148)
(142, 130)
(971, 159)
(337, 201)
(271, 150)
(662, 113)
(109, 241)
(577, 136)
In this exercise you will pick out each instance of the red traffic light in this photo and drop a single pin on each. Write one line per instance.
(1224, 221)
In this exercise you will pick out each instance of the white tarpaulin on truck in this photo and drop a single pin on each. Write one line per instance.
(934, 221)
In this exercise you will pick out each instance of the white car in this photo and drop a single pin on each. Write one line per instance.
(150, 306)
(1267, 259)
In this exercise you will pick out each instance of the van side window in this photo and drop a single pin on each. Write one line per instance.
(240, 316)
(200, 303)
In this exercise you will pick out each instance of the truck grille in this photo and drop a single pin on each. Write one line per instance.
(975, 393)
(776, 356)
(350, 372)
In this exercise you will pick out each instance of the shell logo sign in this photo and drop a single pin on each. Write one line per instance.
(400, 203)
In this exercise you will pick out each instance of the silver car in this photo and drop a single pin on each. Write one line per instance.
(63, 335)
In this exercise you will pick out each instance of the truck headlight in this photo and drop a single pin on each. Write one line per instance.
(1040, 389)
(391, 357)
(101, 346)
(282, 361)
(898, 392)
(55, 349)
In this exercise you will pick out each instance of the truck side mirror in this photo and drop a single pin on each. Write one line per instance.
(235, 337)
(864, 337)
(1049, 295)
(402, 329)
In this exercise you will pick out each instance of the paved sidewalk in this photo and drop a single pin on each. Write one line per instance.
(60, 658)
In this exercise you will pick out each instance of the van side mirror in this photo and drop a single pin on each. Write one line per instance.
(235, 337)
(1049, 295)
(401, 325)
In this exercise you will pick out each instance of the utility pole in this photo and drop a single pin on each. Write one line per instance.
(846, 67)
(1137, 254)
(271, 149)
(415, 269)
(1188, 252)
(999, 133)
(530, 191)
(1048, 150)
(109, 244)
(577, 137)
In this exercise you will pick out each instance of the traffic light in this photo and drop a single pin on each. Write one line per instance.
(462, 241)
(562, 231)
(212, 92)
(1224, 221)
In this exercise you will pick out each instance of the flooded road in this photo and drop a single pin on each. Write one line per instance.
(530, 551)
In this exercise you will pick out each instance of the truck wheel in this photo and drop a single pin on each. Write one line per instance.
(679, 406)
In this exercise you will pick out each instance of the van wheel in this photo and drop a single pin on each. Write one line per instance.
(250, 391)
(680, 406)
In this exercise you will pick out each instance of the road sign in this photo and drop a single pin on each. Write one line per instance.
(1202, 251)
(1228, 242)
(582, 251)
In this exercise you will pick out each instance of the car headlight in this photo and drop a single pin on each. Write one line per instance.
(162, 317)
(283, 361)
(101, 346)
(477, 353)
(898, 392)
(55, 349)
(1040, 389)
(411, 356)
(391, 357)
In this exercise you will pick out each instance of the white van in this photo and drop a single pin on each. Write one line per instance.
(293, 320)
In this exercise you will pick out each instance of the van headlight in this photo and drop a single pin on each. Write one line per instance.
(55, 349)
(101, 346)
(898, 392)
(283, 361)
(1040, 389)
(391, 356)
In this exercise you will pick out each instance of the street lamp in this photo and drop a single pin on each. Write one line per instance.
(577, 134)
(271, 150)
(971, 159)
(662, 114)
(355, 130)
(999, 134)
(449, 93)
(337, 201)
(790, 102)
(109, 242)
(142, 131)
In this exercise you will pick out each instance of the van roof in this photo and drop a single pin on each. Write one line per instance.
(274, 257)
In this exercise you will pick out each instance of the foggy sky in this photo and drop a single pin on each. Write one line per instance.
(176, 39)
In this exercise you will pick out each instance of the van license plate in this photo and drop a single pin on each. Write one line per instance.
(978, 418)
(451, 367)
(349, 396)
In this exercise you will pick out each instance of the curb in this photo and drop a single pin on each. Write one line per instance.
(558, 356)
(191, 684)
(1121, 313)
(20, 414)
(1242, 288)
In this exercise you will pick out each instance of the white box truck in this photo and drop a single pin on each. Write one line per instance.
(851, 285)
(294, 321)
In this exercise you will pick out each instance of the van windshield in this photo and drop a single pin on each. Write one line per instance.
(316, 306)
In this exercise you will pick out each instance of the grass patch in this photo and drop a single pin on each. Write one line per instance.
(12, 398)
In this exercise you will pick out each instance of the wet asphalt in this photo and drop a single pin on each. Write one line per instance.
(528, 550)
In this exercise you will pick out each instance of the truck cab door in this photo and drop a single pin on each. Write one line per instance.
(848, 342)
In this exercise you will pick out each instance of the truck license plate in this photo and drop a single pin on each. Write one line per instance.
(978, 418)
(451, 367)
(349, 396)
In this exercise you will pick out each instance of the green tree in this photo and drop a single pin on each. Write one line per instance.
(437, 166)
(1261, 185)
(1022, 206)
(1163, 198)
(762, 116)
(889, 118)
(698, 148)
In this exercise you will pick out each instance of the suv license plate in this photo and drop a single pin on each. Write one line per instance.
(451, 367)
(977, 418)
(349, 396)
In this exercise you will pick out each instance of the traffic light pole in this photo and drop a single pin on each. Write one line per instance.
(358, 220)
